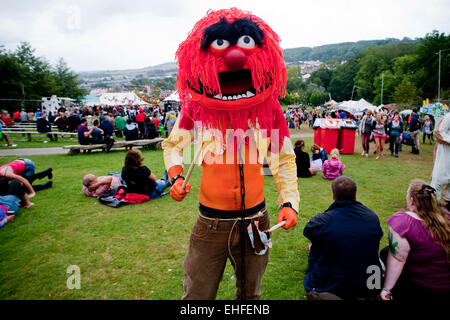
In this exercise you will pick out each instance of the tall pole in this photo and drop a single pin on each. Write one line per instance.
(439, 78)
(382, 83)
(353, 91)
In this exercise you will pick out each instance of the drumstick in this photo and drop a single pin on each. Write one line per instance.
(275, 227)
(191, 168)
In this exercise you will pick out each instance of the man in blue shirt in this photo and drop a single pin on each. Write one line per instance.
(345, 242)
(108, 130)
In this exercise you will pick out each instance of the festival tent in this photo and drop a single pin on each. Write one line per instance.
(353, 106)
(121, 99)
(173, 97)
(331, 103)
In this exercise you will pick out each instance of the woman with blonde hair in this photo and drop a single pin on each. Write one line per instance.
(417, 265)
(379, 134)
(333, 167)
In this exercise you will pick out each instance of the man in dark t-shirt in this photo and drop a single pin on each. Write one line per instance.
(84, 132)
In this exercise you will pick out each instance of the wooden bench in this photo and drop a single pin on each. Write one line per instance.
(30, 133)
(75, 149)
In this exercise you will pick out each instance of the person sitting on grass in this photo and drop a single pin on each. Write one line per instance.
(345, 241)
(94, 186)
(13, 195)
(333, 167)
(139, 179)
(318, 157)
(318, 153)
(304, 169)
(417, 259)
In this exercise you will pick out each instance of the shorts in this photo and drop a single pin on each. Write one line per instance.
(380, 137)
(30, 167)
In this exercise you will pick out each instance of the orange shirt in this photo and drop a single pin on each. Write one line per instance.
(221, 185)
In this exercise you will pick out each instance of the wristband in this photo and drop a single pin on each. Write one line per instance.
(175, 178)
(388, 292)
(289, 205)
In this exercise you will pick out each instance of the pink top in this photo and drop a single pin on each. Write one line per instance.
(17, 166)
(115, 182)
(332, 168)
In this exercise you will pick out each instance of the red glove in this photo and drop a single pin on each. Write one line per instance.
(177, 192)
(289, 215)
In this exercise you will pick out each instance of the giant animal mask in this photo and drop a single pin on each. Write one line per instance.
(231, 72)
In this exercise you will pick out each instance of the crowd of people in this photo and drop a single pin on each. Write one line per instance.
(345, 239)
(102, 122)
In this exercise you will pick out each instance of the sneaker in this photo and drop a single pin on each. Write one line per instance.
(396, 155)
(367, 155)
(363, 153)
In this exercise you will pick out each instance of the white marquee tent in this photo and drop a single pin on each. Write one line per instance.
(173, 97)
(121, 99)
(356, 106)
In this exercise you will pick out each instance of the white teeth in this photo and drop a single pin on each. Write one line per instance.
(244, 96)
(234, 97)
(224, 98)
(249, 94)
(239, 96)
(217, 96)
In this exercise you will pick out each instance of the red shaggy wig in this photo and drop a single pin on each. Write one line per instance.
(198, 75)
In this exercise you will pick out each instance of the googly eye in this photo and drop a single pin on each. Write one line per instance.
(220, 44)
(246, 42)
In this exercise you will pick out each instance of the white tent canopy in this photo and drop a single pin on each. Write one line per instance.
(356, 106)
(173, 97)
(121, 99)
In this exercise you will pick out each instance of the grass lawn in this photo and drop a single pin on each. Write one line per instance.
(137, 251)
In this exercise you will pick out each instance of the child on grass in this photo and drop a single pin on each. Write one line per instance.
(333, 167)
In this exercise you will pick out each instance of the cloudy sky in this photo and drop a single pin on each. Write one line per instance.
(111, 35)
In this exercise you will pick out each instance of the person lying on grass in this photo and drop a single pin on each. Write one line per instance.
(13, 195)
(94, 186)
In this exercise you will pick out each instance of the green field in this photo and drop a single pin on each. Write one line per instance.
(137, 251)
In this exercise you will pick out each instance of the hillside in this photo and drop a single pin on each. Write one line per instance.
(148, 72)
(337, 51)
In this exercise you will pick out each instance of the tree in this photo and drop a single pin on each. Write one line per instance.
(427, 63)
(67, 82)
(294, 79)
(405, 92)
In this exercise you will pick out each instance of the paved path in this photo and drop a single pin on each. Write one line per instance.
(32, 151)
(302, 135)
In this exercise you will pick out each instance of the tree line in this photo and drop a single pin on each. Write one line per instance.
(397, 72)
(25, 76)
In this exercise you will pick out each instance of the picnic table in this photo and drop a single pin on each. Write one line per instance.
(75, 149)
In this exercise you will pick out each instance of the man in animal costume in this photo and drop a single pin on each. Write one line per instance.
(231, 73)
